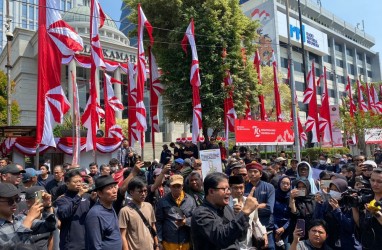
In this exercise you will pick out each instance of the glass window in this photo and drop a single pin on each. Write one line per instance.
(359, 56)
(314, 57)
(327, 59)
(368, 60)
(349, 52)
(338, 47)
(24, 24)
(341, 79)
(68, 5)
(361, 71)
(300, 86)
(339, 63)
(297, 66)
(331, 93)
(369, 74)
(31, 12)
(351, 68)
(1, 6)
(317, 72)
(24, 10)
(62, 4)
(284, 62)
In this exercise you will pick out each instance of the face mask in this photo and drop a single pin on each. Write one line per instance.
(113, 169)
(322, 162)
(344, 160)
(335, 195)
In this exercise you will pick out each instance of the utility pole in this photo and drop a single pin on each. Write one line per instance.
(293, 89)
(9, 36)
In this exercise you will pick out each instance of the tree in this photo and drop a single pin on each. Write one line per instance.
(219, 24)
(15, 109)
(359, 123)
(267, 89)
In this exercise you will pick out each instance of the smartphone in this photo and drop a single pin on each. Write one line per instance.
(235, 201)
(326, 197)
(39, 196)
(301, 225)
(325, 183)
(301, 192)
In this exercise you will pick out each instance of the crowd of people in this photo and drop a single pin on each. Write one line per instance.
(278, 203)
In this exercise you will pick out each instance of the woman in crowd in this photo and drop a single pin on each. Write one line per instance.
(338, 215)
(304, 171)
(301, 203)
(281, 212)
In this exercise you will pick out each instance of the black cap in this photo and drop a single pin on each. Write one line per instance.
(236, 179)
(30, 193)
(103, 181)
(8, 190)
(11, 169)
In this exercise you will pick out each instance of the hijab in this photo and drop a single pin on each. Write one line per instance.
(313, 188)
(283, 196)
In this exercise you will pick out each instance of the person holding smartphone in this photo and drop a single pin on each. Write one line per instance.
(317, 235)
(302, 203)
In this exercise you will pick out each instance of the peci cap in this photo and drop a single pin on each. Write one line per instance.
(369, 162)
(30, 193)
(235, 179)
(176, 179)
(11, 169)
(8, 190)
(104, 181)
(29, 173)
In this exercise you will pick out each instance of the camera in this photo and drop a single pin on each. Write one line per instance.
(357, 198)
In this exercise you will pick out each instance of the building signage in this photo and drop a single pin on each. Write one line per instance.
(373, 136)
(250, 132)
(113, 54)
(314, 40)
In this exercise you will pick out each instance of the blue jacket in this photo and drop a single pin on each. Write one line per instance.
(71, 211)
(166, 214)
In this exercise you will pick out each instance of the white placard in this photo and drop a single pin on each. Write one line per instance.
(211, 161)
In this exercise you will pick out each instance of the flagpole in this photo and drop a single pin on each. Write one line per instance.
(151, 91)
(293, 88)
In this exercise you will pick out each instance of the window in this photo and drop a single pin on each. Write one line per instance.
(302, 106)
(1, 6)
(68, 5)
(300, 86)
(24, 24)
(331, 93)
(284, 62)
(31, 12)
(317, 72)
(329, 43)
(349, 52)
(351, 68)
(339, 63)
(368, 60)
(341, 79)
(62, 4)
(24, 10)
(297, 66)
(359, 57)
(327, 59)
(338, 47)
(314, 57)
(31, 26)
(361, 71)
(369, 74)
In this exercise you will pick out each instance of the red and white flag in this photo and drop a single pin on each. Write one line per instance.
(91, 119)
(276, 90)
(257, 64)
(325, 123)
(112, 104)
(229, 109)
(352, 107)
(141, 72)
(189, 37)
(55, 40)
(133, 134)
(377, 104)
(310, 98)
(361, 102)
(247, 111)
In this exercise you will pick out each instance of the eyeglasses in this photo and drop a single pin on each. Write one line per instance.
(12, 200)
(226, 190)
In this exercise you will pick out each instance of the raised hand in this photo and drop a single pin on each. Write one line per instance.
(251, 203)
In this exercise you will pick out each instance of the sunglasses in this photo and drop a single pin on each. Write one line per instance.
(12, 200)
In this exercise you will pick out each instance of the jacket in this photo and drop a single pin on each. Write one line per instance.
(214, 229)
(71, 211)
(166, 214)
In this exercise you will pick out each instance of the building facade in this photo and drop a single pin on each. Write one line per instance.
(330, 41)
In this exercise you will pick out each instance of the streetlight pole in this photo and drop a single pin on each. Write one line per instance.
(9, 36)
(293, 89)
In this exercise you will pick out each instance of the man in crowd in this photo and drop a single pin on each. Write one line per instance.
(101, 223)
(104, 169)
(292, 171)
(3, 162)
(190, 150)
(116, 170)
(11, 174)
(378, 156)
(158, 190)
(72, 209)
(44, 177)
(369, 220)
(165, 155)
(19, 228)
(173, 214)
(123, 152)
(30, 177)
(177, 152)
(93, 170)
(265, 195)
(194, 187)
(58, 180)
(138, 228)
(43, 241)
(214, 224)
(335, 166)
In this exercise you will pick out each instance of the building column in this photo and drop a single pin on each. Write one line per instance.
(355, 61)
(364, 67)
(118, 90)
(72, 69)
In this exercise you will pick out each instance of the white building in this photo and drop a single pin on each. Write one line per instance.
(329, 40)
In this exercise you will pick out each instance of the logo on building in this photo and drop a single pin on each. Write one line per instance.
(307, 37)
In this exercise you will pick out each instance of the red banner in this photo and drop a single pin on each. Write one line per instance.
(250, 132)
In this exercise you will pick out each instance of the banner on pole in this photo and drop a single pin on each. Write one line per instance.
(336, 132)
(250, 132)
(211, 161)
(373, 136)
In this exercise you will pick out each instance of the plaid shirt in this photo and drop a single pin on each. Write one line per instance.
(14, 232)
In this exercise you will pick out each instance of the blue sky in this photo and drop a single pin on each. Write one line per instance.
(352, 11)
